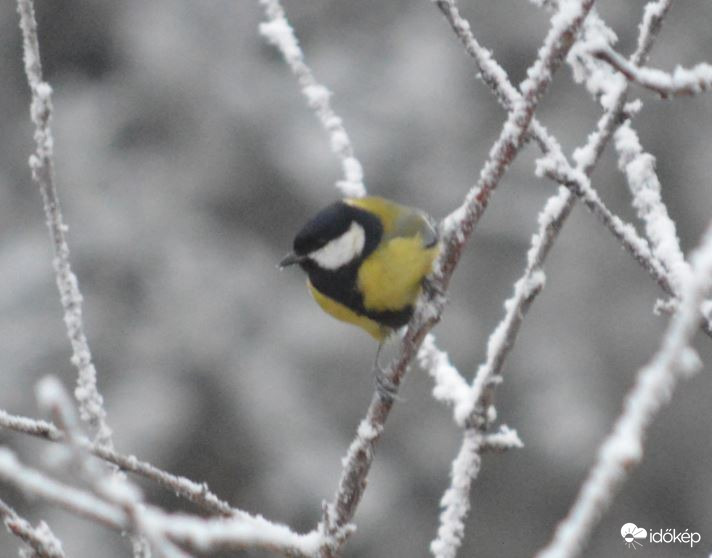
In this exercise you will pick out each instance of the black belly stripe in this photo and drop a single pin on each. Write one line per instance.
(340, 285)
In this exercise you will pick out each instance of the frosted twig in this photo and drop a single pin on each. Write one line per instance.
(682, 81)
(457, 228)
(197, 493)
(623, 448)
(192, 533)
(505, 439)
(112, 488)
(587, 156)
(450, 387)
(43, 542)
(278, 31)
(557, 209)
(644, 185)
(456, 500)
(565, 25)
(91, 403)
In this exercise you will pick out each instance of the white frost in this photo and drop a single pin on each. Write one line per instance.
(280, 33)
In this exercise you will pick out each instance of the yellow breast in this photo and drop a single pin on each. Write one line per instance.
(390, 278)
(345, 314)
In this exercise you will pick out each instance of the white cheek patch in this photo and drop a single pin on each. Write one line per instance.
(341, 250)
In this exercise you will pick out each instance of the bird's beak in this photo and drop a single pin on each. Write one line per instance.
(291, 259)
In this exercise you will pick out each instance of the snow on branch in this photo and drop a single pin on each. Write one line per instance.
(565, 24)
(187, 533)
(623, 448)
(643, 182)
(456, 500)
(477, 408)
(457, 228)
(552, 216)
(450, 387)
(91, 403)
(682, 81)
(197, 493)
(111, 487)
(587, 156)
(40, 539)
(278, 31)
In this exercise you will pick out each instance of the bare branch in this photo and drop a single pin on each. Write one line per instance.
(91, 403)
(623, 448)
(43, 542)
(279, 32)
(681, 81)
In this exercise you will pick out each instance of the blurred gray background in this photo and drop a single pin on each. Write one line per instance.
(186, 160)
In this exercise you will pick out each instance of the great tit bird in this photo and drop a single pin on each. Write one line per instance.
(366, 259)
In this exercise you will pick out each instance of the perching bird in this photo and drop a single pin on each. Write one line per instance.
(366, 259)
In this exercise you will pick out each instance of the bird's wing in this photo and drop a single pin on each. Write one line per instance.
(414, 222)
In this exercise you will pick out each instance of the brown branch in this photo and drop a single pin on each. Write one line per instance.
(43, 542)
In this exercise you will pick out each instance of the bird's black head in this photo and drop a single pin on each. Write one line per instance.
(338, 235)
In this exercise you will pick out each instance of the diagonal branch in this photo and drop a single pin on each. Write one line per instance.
(623, 448)
(91, 403)
(195, 534)
(279, 32)
(43, 542)
(457, 228)
(197, 493)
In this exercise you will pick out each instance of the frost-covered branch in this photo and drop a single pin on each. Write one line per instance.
(111, 487)
(450, 386)
(644, 185)
(623, 448)
(457, 228)
(197, 493)
(456, 500)
(40, 539)
(586, 156)
(682, 81)
(278, 31)
(91, 403)
(190, 533)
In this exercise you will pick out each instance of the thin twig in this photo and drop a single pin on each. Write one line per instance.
(682, 81)
(623, 448)
(644, 185)
(456, 500)
(457, 228)
(197, 493)
(91, 403)
(279, 32)
(551, 220)
(194, 534)
(43, 542)
(111, 488)
(587, 156)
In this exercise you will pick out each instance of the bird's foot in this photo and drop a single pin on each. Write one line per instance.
(385, 387)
